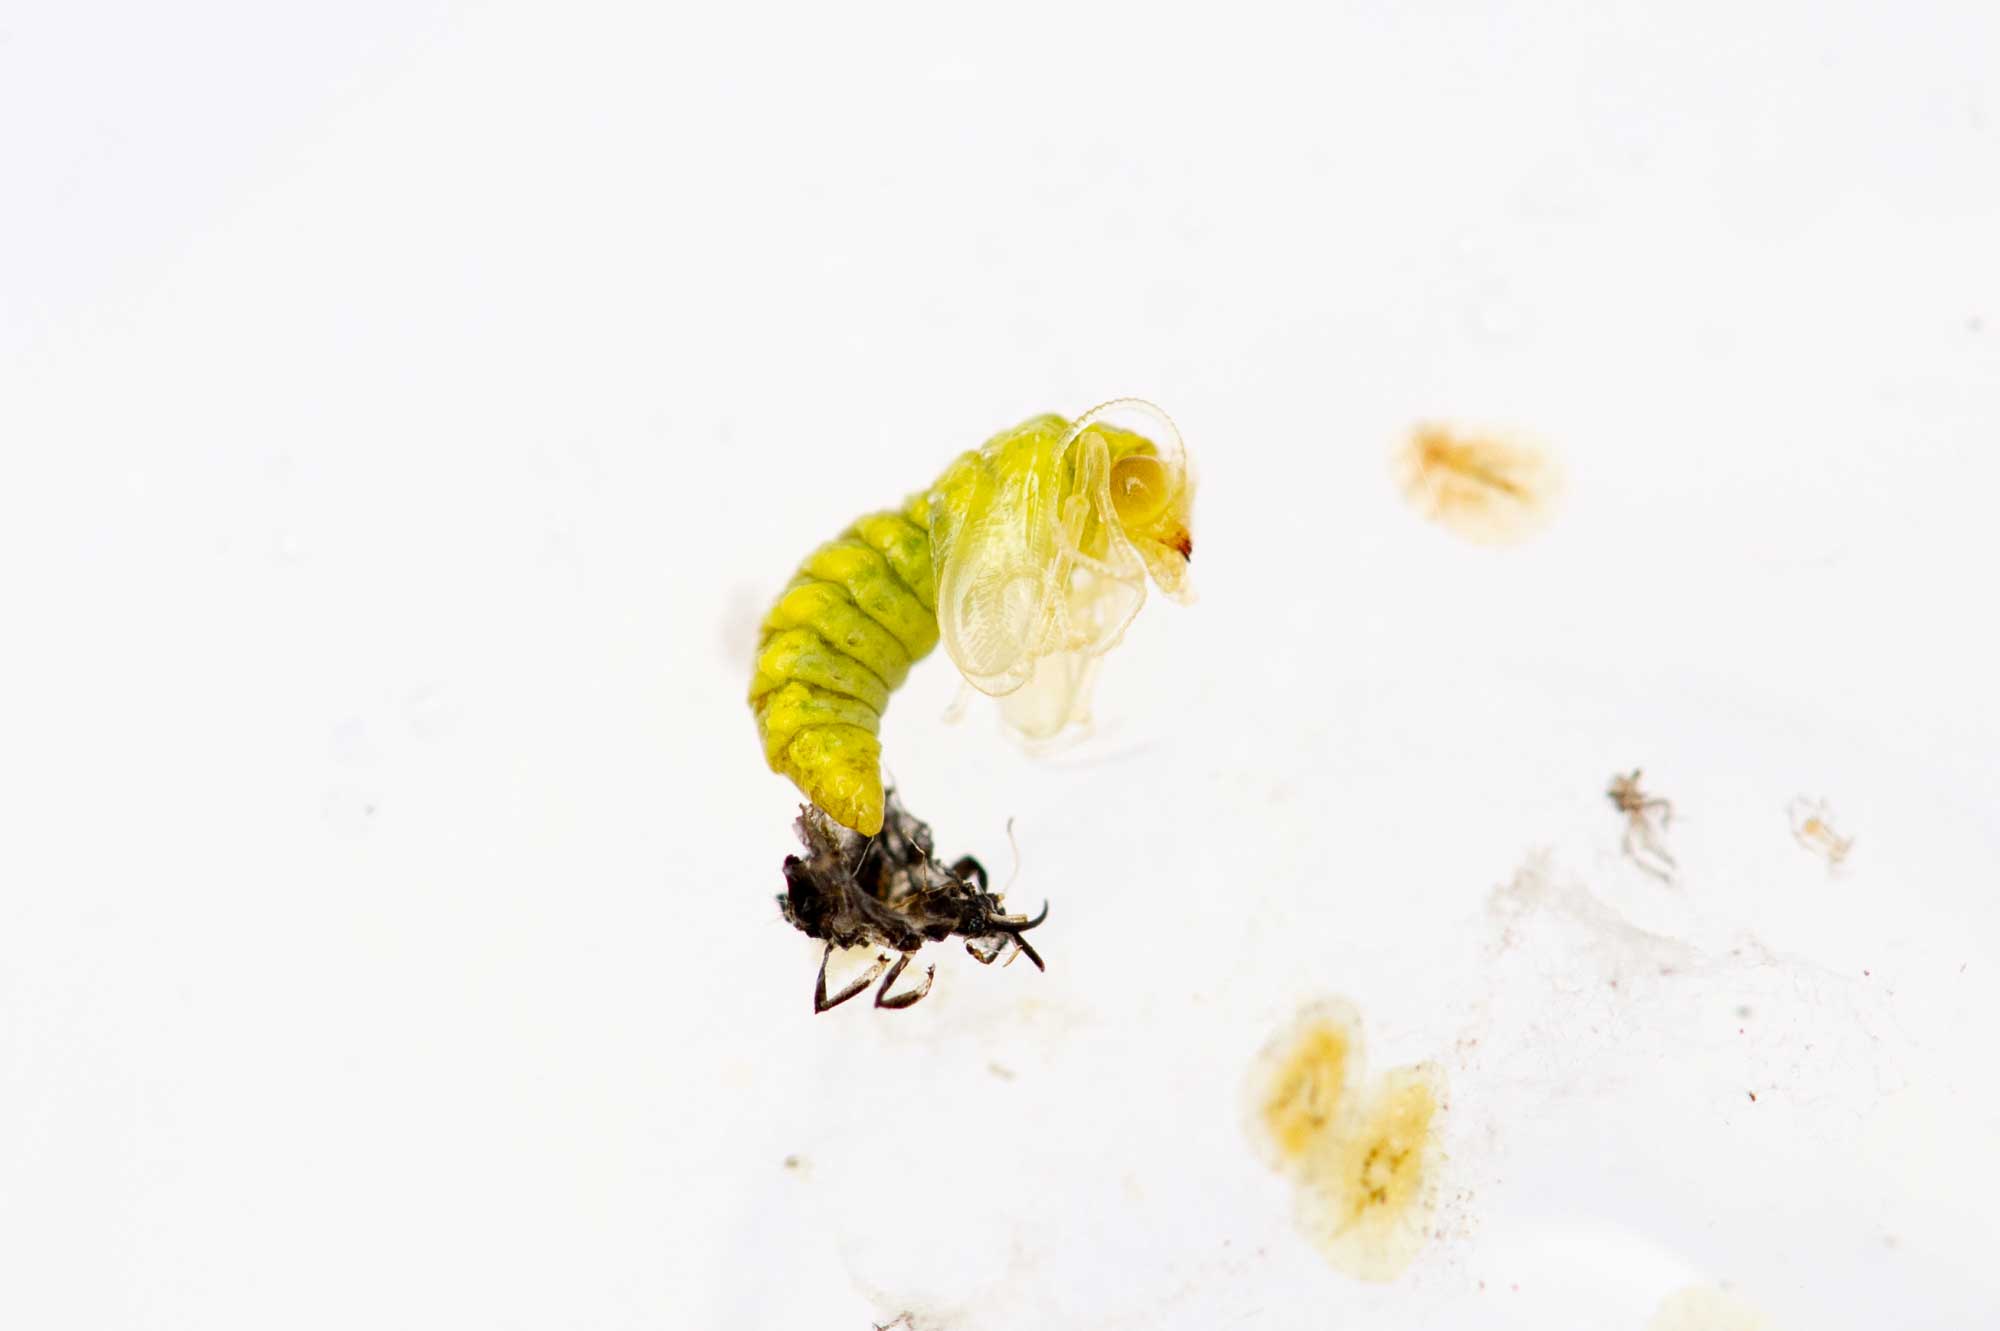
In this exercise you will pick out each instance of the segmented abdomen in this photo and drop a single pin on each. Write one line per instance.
(836, 644)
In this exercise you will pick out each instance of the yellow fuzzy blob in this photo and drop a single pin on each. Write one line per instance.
(1365, 1160)
(1369, 1187)
(1484, 489)
(1305, 1080)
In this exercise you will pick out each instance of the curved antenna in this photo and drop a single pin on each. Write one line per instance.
(1138, 404)
(1023, 928)
(1029, 949)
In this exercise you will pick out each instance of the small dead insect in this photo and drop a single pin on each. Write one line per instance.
(888, 891)
(1487, 490)
(1641, 843)
(1812, 827)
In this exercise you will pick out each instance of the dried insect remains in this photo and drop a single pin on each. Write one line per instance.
(1812, 827)
(1485, 489)
(1642, 843)
(889, 891)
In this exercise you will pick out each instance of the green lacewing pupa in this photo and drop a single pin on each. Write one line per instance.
(1026, 558)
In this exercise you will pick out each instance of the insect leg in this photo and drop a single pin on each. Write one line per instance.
(1029, 948)
(882, 998)
(1639, 837)
(821, 1003)
(1652, 842)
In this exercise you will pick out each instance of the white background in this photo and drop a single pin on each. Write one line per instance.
(407, 410)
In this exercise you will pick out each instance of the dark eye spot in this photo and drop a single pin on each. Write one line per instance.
(1185, 544)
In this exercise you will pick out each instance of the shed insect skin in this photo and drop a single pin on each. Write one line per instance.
(1812, 827)
(888, 892)
(1639, 808)
(1486, 489)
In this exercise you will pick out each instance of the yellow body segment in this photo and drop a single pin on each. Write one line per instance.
(885, 598)
(828, 609)
(840, 639)
(1022, 559)
(803, 655)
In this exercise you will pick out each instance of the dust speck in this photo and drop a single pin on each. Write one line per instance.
(347, 812)
(1812, 827)
(430, 712)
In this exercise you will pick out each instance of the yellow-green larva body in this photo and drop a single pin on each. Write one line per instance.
(1027, 558)
(839, 640)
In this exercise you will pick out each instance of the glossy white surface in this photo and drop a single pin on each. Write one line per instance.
(406, 412)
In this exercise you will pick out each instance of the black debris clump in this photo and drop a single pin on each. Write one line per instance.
(890, 891)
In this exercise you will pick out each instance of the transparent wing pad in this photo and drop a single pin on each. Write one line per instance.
(1039, 572)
